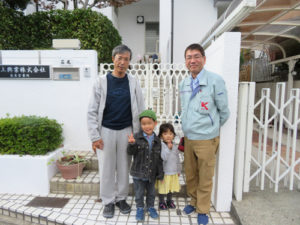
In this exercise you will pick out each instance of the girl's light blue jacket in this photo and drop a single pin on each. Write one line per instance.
(204, 113)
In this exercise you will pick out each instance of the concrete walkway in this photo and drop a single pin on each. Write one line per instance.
(269, 208)
(266, 207)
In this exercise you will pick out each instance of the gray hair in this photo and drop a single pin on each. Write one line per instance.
(120, 49)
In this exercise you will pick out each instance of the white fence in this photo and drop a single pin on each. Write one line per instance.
(159, 83)
(275, 157)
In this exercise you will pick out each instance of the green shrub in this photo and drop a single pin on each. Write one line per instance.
(94, 30)
(36, 31)
(38, 27)
(29, 135)
(13, 34)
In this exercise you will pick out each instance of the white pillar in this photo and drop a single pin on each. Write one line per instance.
(223, 57)
(165, 31)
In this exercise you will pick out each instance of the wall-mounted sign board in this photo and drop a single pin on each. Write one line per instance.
(25, 72)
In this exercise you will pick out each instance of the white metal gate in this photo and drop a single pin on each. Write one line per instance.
(159, 83)
(275, 157)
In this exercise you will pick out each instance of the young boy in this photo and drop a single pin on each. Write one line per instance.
(147, 164)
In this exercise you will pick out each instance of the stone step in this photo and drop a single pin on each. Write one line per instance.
(89, 184)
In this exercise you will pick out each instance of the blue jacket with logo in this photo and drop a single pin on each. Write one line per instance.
(204, 113)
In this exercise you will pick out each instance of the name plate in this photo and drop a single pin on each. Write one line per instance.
(24, 72)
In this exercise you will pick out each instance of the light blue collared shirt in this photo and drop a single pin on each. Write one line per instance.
(195, 82)
(149, 139)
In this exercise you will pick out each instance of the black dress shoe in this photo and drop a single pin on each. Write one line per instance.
(123, 206)
(109, 210)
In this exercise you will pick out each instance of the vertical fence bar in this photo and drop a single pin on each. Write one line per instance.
(177, 94)
(150, 86)
(264, 153)
(295, 93)
(274, 139)
(240, 140)
(171, 98)
(249, 133)
(289, 134)
(163, 100)
(261, 120)
(280, 86)
(146, 85)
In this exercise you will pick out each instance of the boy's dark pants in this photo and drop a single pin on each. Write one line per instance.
(139, 188)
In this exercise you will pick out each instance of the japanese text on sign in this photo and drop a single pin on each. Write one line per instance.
(25, 71)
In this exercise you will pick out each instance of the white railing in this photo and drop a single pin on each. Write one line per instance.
(160, 85)
(275, 158)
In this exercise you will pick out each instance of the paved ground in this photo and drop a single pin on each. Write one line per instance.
(83, 210)
(269, 208)
(6, 220)
(265, 207)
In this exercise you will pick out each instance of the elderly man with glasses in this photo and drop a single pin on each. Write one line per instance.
(113, 114)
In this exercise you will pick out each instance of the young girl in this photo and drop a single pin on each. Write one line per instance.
(171, 166)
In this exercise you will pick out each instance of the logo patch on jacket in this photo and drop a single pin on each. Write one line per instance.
(204, 105)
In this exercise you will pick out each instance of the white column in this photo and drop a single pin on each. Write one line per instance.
(246, 101)
(223, 57)
(165, 31)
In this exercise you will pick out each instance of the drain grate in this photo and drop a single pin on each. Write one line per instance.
(48, 202)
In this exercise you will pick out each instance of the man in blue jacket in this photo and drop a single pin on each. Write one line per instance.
(204, 107)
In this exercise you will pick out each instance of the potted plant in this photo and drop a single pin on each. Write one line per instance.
(71, 166)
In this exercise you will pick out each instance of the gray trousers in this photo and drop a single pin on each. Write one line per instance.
(114, 163)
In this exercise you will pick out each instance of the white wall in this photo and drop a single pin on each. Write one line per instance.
(192, 20)
(65, 101)
(223, 58)
(165, 31)
(109, 12)
(133, 34)
(28, 174)
(29, 9)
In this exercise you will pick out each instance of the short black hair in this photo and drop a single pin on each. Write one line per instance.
(195, 46)
(120, 49)
(164, 128)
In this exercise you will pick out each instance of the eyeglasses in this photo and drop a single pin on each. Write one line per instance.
(197, 57)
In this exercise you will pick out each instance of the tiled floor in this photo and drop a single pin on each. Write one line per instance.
(83, 210)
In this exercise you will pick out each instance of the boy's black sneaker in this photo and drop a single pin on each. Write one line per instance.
(109, 210)
(123, 206)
